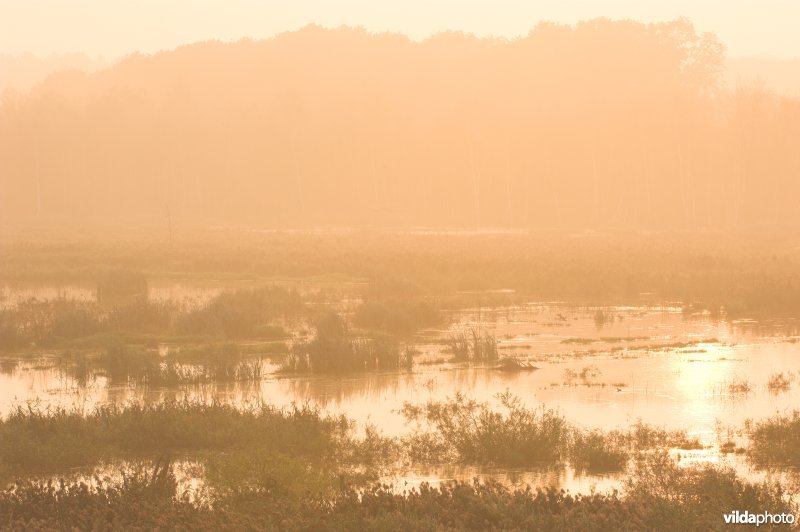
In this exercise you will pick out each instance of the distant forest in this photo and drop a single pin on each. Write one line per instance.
(605, 124)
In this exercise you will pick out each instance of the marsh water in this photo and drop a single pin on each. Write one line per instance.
(600, 367)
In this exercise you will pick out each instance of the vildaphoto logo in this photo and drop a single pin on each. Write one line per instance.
(764, 518)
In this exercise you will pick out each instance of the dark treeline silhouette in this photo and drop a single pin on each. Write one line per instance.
(604, 124)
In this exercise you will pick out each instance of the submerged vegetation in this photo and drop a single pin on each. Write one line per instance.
(780, 382)
(739, 386)
(586, 376)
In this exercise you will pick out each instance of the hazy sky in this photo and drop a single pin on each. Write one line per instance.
(116, 27)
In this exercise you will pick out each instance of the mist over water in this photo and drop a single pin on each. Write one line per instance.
(337, 279)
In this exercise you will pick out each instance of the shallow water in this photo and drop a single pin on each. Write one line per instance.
(657, 365)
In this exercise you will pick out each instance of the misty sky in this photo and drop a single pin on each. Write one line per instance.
(111, 28)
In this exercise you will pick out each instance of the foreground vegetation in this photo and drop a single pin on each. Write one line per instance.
(261, 467)
(225, 439)
(465, 430)
(775, 442)
(659, 495)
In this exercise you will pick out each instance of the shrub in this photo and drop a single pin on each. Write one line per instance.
(334, 350)
(775, 441)
(477, 434)
(598, 452)
(696, 498)
(242, 313)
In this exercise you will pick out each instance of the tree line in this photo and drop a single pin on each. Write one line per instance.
(604, 124)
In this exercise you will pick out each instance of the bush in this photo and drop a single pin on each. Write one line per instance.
(477, 434)
(775, 441)
(598, 452)
(696, 498)
(242, 313)
(334, 350)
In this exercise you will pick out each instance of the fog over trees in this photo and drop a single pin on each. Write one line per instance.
(606, 124)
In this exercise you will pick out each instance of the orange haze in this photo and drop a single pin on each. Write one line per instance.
(602, 124)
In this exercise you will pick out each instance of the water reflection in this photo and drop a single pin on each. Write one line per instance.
(656, 365)
(558, 478)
